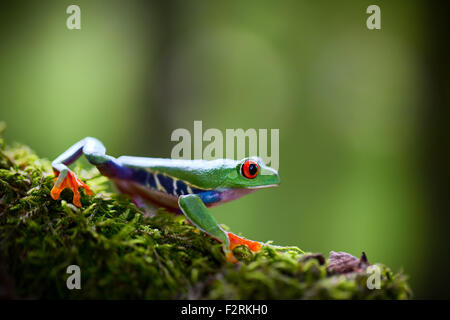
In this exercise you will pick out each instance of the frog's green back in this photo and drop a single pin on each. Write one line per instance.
(204, 174)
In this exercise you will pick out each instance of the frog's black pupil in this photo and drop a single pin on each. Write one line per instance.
(252, 169)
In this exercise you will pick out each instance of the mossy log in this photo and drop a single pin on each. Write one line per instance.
(124, 254)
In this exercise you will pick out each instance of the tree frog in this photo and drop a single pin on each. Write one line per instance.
(187, 187)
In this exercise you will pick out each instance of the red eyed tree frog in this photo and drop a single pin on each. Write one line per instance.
(181, 186)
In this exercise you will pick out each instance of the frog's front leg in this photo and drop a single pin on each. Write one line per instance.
(195, 210)
(94, 151)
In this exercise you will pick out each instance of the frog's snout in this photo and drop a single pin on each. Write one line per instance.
(277, 179)
(270, 177)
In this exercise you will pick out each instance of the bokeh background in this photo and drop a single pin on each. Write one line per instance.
(362, 114)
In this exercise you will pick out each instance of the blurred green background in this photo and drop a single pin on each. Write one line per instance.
(349, 103)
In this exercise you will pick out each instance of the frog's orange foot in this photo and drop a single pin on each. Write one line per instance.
(236, 241)
(73, 183)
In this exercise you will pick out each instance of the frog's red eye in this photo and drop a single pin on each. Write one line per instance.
(250, 169)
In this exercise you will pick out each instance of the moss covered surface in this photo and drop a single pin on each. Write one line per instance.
(126, 255)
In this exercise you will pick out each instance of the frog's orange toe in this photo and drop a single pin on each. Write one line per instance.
(230, 257)
(73, 183)
(236, 241)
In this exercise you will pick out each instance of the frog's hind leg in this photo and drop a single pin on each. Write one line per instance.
(94, 151)
(195, 210)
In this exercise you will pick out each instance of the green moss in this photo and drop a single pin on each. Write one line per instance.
(124, 254)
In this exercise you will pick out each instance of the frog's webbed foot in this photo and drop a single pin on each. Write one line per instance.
(236, 241)
(67, 179)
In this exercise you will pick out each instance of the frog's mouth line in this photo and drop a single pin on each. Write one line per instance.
(264, 186)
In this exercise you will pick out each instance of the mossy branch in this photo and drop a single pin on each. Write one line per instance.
(124, 254)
